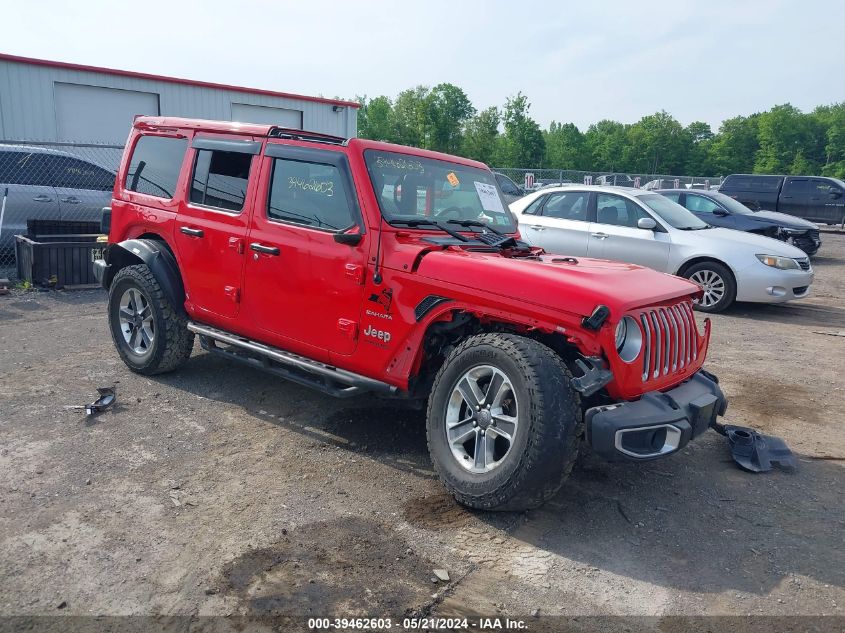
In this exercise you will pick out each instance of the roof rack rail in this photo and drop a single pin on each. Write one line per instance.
(299, 135)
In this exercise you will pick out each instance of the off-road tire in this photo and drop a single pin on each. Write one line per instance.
(730, 285)
(172, 343)
(548, 433)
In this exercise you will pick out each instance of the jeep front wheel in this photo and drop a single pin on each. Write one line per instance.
(150, 334)
(503, 422)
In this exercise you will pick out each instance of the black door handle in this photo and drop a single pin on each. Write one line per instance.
(187, 230)
(260, 248)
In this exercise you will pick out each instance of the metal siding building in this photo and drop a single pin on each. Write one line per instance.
(50, 101)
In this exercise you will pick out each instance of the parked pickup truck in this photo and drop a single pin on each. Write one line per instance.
(358, 267)
(815, 198)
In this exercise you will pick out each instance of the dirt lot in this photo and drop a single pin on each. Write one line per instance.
(221, 490)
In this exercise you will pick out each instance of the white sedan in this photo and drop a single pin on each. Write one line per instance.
(641, 227)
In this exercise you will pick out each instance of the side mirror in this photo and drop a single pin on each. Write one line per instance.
(348, 238)
(833, 195)
(647, 224)
(720, 213)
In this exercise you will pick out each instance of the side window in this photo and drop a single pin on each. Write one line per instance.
(220, 179)
(568, 205)
(534, 207)
(155, 165)
(821, 188)
(618, 211)
(74, 173)
(674, 197)
(507, 185)
(24, 168)
(312, 194)
(701, 204)
(741, 183)
(797, 188)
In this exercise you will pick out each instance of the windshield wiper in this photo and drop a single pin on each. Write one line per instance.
(420, 222)
(477, 223)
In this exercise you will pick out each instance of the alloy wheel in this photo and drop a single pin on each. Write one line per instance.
(481, 418)
(712, 284)
(136, 321)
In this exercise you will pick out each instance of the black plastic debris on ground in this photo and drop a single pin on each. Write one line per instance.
(106, 399)
(755, 452)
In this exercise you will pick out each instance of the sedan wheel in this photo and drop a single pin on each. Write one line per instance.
(712, 285)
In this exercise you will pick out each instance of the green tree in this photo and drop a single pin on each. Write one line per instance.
(565, 147)
(832, 120)
(656, 144)
(698, 158)
(411, 123)
(480, 135)
(522, 144)
(733, 149)
(604, 143)
(447, 109)
(375, 119)
(783, 132)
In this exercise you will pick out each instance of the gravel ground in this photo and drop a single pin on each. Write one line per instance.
(221, 490)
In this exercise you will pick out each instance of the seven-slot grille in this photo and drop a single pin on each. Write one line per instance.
(670, 339)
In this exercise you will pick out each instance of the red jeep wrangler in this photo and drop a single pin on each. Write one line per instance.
(354, 266)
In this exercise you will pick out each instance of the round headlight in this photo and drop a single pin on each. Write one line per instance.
(629, 339)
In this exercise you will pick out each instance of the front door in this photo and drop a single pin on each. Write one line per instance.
(615, 235)
(303, 289)
(212, 223)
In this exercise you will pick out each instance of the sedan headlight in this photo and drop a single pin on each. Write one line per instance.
(776, 261)
(629, 339)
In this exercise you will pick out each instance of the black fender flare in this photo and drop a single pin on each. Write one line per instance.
(156, 256)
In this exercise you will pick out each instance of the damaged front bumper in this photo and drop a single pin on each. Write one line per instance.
(658, 424)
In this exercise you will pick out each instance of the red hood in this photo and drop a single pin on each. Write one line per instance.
(553, 282)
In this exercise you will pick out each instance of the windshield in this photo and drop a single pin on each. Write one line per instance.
(671, 212)
(412, 188)
(730, 204)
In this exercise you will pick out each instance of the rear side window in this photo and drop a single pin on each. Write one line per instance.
(674, 197)
(220, 179)
(155, 165)
(741, 183)
(74, 173)
(765, 183)
(312, 194)
(25, 168)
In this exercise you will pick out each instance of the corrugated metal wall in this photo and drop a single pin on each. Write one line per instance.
(28, 110)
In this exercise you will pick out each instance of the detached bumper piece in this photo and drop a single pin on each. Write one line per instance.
(755, 452)
(658, 424)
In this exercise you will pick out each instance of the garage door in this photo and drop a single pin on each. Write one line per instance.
(283, 117)
(99, 115)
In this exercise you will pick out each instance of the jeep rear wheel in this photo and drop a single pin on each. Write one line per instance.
(503, 422)
(150, 334)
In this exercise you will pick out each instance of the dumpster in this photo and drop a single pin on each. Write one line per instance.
(59, 253)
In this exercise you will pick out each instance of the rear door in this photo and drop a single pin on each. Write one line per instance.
(82, 187)
(795, 196)
(25, 182)
(212, 221)
(303, 289)
(615, 235)
(559, 222)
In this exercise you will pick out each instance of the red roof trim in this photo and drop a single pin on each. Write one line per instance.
(173, 80)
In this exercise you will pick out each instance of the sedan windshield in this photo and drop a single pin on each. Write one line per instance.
(409, 188)
(671, 212)
(730, 204)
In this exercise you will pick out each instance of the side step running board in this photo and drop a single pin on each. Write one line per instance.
(299, 369)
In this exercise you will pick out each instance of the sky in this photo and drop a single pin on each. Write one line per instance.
(577, 62)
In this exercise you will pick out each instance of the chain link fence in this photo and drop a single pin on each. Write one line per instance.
(47, 182)
(544, 177)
